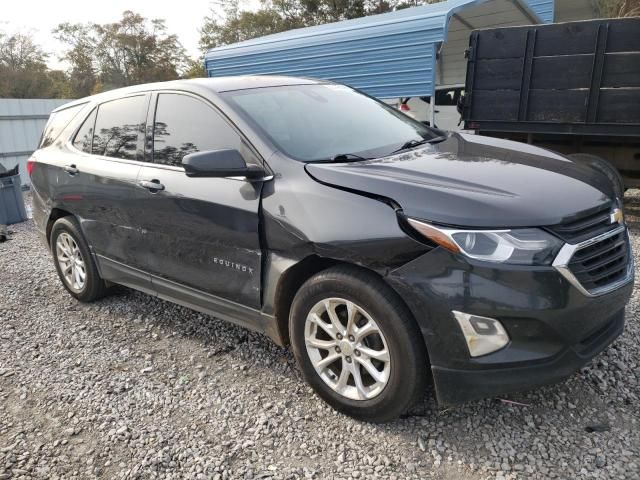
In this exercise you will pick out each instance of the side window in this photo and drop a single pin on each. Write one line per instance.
(118, 126)
(185, 125)
(57, 122)
(84, 137)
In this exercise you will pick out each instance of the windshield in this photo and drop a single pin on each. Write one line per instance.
(322, 121)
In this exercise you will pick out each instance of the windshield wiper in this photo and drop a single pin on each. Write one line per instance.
(343, 158)
(414, 143)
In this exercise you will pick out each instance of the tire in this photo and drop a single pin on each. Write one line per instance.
(602, 166)
(67, 230)
(403, 377)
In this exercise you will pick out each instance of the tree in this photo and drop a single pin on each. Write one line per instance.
(195, 69)
(24, 72)
(131, 51)
(618, 8)
(235, 24)
(80, 56)
(59, 84)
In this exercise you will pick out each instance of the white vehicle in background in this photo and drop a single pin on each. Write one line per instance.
(446, 113)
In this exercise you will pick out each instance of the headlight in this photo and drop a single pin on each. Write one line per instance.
(524, 246)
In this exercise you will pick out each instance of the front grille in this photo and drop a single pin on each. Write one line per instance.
(585, 227)
(602, 263)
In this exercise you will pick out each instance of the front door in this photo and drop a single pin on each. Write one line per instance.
(201, 233)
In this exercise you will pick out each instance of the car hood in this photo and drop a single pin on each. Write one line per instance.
(476, 181)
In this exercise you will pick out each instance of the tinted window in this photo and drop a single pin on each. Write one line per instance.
(316, 122)
(57, 122)
(117, 128)
(184, 125)
(85, 134)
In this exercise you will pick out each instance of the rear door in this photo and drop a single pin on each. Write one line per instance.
(201, 233)
(109, 148)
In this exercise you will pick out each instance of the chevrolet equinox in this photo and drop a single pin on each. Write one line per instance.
(389, 255)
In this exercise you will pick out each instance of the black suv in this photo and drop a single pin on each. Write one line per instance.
(385, 252)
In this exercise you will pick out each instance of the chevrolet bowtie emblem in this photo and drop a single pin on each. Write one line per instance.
(617, 216)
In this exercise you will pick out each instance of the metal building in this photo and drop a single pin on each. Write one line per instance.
(544, 9)
(564, 10)
(21, 124)
(405, 53)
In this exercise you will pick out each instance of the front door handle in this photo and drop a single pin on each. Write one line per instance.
(151, 185)
(71, 169)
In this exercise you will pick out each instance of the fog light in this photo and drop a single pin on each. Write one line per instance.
(483, 335)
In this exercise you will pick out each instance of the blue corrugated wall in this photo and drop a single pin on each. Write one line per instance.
(389, 55)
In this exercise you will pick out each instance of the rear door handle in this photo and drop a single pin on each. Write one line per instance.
(152, 185)
(71, 169)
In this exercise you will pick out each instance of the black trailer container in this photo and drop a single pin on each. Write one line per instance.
(571, 87)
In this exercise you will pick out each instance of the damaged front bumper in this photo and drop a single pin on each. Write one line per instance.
(553, 328)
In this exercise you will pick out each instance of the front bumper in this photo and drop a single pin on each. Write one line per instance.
(553, 328)
(457, 385)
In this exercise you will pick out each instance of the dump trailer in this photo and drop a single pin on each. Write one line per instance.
(571, 87)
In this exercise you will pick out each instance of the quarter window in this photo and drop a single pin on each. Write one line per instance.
(185, 125)
(84, 137)
(118, 126)
(57, 122)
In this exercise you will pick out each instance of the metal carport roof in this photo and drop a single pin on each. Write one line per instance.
(388, 55)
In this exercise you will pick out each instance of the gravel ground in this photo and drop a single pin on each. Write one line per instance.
(135, 387)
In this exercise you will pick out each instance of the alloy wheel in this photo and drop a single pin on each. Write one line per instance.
(347, 349)
(72, 265)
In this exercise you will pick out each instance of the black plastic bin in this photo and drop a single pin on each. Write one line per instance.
(11, 202)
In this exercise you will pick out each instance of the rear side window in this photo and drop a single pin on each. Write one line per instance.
(118, 125)
(185, 125)
(57, 122)
(84, 137)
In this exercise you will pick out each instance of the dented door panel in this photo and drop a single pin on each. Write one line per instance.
(201, 232)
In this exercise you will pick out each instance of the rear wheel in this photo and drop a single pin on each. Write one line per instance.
(357, 345)
(73, 261)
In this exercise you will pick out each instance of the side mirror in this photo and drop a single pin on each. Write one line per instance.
(220, 163)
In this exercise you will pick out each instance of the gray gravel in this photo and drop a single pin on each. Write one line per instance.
(135, 387)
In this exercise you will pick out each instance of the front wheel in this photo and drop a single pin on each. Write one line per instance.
(357, 344)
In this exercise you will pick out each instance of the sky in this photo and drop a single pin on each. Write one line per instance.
(39, 17)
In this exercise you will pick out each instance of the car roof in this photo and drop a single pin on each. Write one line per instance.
(215, 84)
